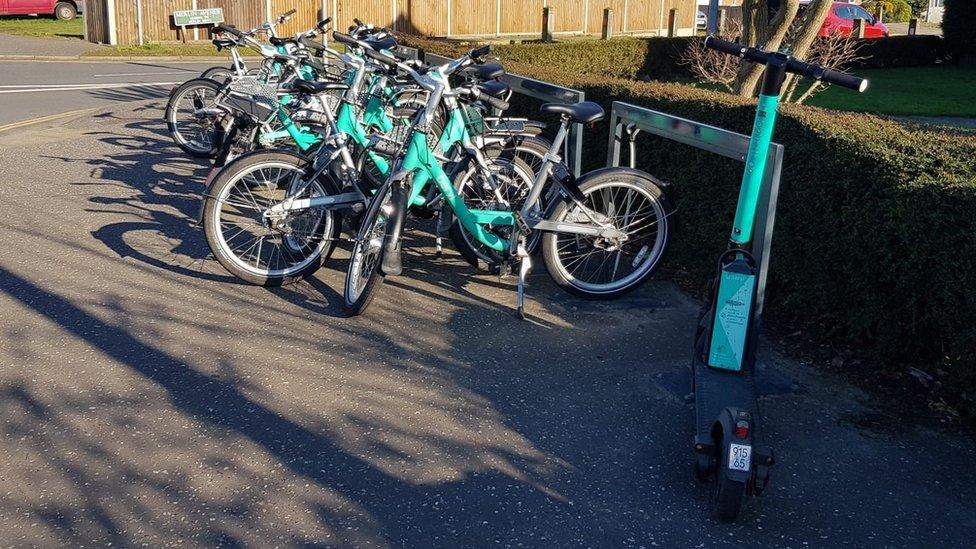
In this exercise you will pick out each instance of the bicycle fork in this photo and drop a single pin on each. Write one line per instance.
(392, 264)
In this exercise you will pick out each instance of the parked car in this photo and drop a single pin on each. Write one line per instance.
(61, 9)
(841, 20)
(701, 20)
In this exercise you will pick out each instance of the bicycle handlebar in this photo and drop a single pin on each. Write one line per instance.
(285, 16)
(490, 100)
(229, 29)
(793, 65)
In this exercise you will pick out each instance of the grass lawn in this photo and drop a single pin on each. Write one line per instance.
(916, 91)
(185, 50)
(42, 26)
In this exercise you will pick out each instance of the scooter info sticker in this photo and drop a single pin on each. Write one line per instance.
(740, 457)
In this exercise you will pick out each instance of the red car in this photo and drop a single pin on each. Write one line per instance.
(841, 20)
(62, 9)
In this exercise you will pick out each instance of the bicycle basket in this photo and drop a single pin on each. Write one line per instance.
(474, 120)
(253, 86)
(251, 96)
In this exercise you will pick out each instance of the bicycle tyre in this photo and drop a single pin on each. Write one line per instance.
(324, 234)
(358, 293)
(476, 254)
(557, 247)
(204, 148)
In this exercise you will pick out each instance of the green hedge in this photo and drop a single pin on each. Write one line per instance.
(959, 27)
(903, 51)
(636, 58)
(659, 58)
(875, 243)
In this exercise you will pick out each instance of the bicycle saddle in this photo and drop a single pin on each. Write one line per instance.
(275, 41)
(583, 112)
(310, 87)
(494, 88)
(487, 71)
(386, 43)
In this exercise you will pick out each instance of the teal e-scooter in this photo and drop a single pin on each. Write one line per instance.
(728, 445)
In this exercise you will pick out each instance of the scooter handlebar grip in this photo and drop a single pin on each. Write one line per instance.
(725, 46)
(845, 80)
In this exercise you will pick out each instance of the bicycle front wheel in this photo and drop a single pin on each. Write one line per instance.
(253, 242)
(363, 276)
(603, 268)
(189, 118)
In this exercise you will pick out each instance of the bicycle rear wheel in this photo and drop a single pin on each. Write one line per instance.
(190, 126)
(603, 268)
(363, 276)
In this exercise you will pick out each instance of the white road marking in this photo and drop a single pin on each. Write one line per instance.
(79, 87)
(182, 71)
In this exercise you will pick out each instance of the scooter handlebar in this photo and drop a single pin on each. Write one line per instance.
(845, 80)
(795, 66)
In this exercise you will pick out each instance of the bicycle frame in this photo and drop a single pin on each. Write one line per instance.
(420, 162)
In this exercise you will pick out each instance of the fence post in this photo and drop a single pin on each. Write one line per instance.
(879, 13)
(548, 23)
(858, 30)
(723, 15)
(607, 32)
(913, 26)
(672, 16)
(139, 23)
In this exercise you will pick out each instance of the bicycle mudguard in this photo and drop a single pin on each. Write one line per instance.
(510, 127)
(331, 187)
(569, 186)
(392, 263)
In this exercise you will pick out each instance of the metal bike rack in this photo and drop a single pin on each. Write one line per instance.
(714, 391)
(714, 140)
(545, 91)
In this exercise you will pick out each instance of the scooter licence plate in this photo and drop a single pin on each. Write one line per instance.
(740, 457)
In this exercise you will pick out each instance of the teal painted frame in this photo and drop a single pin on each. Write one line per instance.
(425, 167)
(752, 177)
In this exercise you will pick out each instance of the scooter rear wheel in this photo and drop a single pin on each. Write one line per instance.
(728, 495)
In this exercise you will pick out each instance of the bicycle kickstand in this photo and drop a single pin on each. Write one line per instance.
(525, 263)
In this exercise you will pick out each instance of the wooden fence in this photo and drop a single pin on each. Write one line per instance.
(127, 22)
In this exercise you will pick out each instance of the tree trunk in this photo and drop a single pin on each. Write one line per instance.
(800, 42)
(755, 21)
(750, 73)
(813, 19)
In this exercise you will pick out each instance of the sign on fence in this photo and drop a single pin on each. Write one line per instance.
(190, 18)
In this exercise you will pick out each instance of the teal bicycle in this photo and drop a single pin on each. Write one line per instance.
(603, 234)
(271, 217)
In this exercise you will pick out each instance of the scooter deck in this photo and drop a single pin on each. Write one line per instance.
(716, 390)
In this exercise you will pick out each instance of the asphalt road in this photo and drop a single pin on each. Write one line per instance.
(32, 89)
(148, 398)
